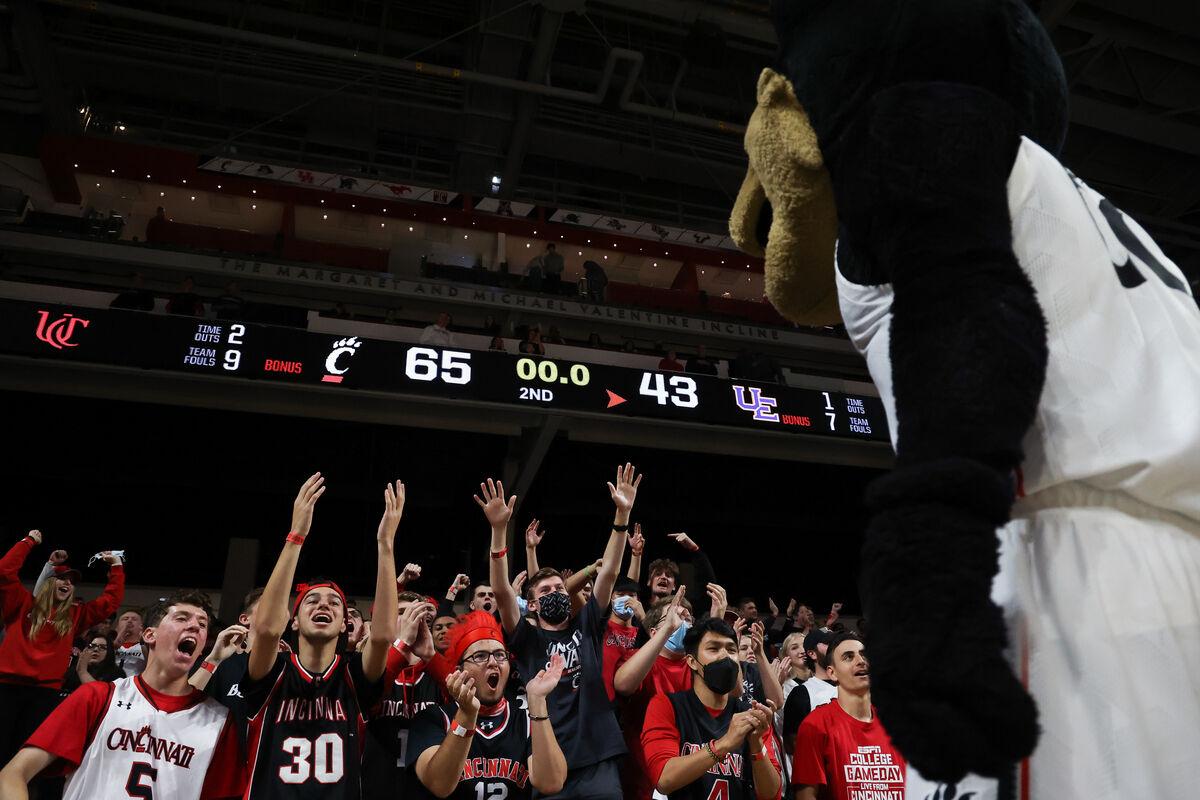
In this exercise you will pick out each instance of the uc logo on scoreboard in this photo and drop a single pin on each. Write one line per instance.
(58, 334)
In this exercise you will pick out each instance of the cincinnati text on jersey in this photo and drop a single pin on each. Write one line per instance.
(145, 742)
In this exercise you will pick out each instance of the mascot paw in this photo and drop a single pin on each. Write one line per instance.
(944, 690)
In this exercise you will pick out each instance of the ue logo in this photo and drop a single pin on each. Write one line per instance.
(340, 348)
(758, 404)
(58, 333)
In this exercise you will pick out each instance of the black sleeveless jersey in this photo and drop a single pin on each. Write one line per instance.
(733, 778)
(307, 731)
(388, 757)
(497, 765)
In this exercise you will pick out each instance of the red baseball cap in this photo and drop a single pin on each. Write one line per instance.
(66, 573)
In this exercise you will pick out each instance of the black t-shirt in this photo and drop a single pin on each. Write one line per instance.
(583, 718)
(307, 730)
(225, 685)
(797, 707)
(497, 764)
(733, 778)
(752, 685)
(701, 366)
(389, 756)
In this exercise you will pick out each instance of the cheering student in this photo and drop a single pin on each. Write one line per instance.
(39, 632)
(624, 625)
(702, 743)
(152, 735)
(308, 707)
(480, 745)
(657, 667)
(408, 688)
(580, 710)
(128, 653)
(842, 750)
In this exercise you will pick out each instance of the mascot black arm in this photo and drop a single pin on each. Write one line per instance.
(920, 175)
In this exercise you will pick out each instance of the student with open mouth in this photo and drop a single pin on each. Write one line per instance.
(308, 707)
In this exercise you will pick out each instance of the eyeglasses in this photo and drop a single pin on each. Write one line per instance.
(96, 647)
(481, 658)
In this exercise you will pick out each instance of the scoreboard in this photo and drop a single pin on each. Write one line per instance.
(347, 363)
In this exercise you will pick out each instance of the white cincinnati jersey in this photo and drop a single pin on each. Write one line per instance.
(1118, 409)
(139, 751)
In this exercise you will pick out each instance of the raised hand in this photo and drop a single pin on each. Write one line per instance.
(542, 684)
(36, 536)
(672, 618)
(771, 605)
(229, 641)
(720, 601)
(497, 511)
(757, 642)
(791, 608)
(302, 506)
(461, 688)
(518, 583)
(739, 625)
(624, 491)
(393, 509)
(58, 557)
(532, 537)
(410, 622)
(635, 606)
(684, 541)
(110, 558)
(411, 573)
(637, 542)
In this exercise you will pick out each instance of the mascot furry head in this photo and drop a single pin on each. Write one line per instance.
(888, 130)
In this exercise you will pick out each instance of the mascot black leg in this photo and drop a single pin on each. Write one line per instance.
(924, 201)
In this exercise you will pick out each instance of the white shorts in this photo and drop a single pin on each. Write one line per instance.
(1102, 597)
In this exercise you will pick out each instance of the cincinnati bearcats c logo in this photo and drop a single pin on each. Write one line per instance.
(341, 347)
(58, 333)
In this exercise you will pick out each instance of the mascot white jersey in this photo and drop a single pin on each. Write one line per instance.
(1100, 566)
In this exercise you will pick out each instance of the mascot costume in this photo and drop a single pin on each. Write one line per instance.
(1039, 359)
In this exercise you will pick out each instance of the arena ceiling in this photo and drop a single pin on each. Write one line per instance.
(627, 106)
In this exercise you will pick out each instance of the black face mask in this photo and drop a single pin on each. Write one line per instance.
(554, 607)
(722, 675)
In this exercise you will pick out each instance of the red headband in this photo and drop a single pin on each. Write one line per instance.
(471, 628)
(304, 588)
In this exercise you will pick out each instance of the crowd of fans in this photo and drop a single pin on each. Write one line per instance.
(599, 682)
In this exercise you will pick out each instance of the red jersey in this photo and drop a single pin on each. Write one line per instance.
(847, 759)
(668, 675)
(620, 643)
(124, 739)
(43, 660)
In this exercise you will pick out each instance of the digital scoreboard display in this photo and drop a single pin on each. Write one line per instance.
(346, 363)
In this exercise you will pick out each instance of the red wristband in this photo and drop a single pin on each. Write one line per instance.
(760, 755)
(207, 666)
(402, 647)
(501, 553)
(294, 538)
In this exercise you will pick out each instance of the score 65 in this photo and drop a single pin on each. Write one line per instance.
(422, 364)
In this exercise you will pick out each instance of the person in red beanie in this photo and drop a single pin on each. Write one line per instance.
(480, 745)
(39, 633)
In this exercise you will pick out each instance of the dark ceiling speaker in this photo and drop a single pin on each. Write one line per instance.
(14, 205)
(705, 44)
